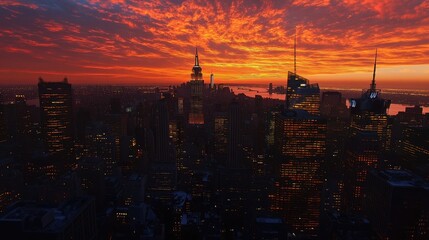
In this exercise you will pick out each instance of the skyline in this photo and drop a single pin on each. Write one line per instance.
(151, 42)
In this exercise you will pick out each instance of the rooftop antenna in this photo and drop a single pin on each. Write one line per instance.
(197, 63)
(373, 85)
(294, 54)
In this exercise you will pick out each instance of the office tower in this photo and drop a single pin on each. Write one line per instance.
(17, 125)
(234, 134)
(270, 88)
(163, 170)
(91, 172)
(300, 94)
(160, 130)
(117, 122)
(20, 119)
(272, 114)
(397, 205)
(220, 133)
(180, 106)
(367, 139)
(196, 116)
(100, 144)
(3, 134)
(73, 219)
(334, 110)
(11, 184)
(414, 150)
(300, 139)
(212, 81)
(56, 116)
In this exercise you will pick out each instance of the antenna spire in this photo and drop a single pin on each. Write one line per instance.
(197, 63)
(373, 85)
(294, 54)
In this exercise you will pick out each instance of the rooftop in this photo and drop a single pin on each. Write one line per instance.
(402, 178)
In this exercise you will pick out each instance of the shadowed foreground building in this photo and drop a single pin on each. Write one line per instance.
(75, 219)
(397, 205)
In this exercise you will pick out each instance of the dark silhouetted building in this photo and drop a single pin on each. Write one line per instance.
(56, 116)
(74, 219)
(234, 135)
(397, 205)
(160, 130)
(220, 133)
(346, 227)
(414, 150)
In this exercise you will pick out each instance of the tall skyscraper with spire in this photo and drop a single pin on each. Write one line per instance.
(300, 94)
(300, 143)
(366, 139)
(196, 116)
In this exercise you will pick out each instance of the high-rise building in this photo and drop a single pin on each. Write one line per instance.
(300, 94)
(333, 108)
(56, 116)
(160, 129)
(212, 81)
(397, 205)
(270, 126)
(196, 116)
(3, 135)
(220, 133)
(300, 140)
(367, 139)
(100, 144)
(234, 134)
(414, 150)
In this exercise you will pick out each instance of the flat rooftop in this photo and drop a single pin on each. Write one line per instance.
(402, 178)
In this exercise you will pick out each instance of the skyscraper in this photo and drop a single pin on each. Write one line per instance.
(56, 116)
(234, 134)
(300, 94)
(397, 205)
(161, 132)
(366, 139)
(212, 81)
(300, 139)
(220, 133)
(196, 116)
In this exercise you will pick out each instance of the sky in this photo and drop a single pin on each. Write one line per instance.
(240, 41)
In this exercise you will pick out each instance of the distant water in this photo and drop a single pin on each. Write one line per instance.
(251, 91)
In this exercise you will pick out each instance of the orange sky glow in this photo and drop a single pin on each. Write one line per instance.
(240, 41)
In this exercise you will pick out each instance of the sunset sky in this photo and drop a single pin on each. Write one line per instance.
(153, 41)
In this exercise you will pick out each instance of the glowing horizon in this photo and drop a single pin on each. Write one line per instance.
(152, 42)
